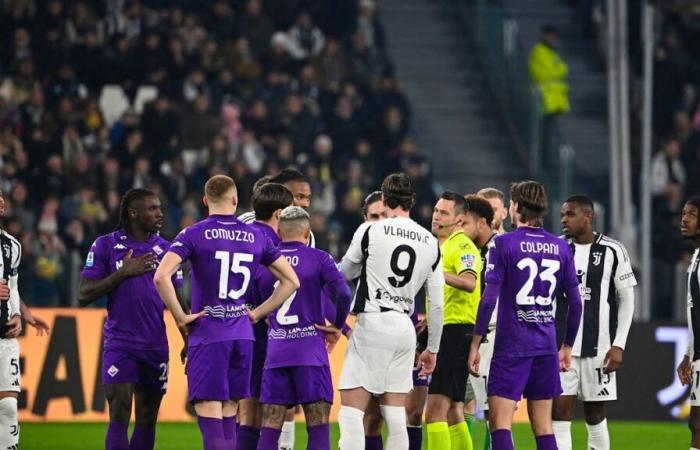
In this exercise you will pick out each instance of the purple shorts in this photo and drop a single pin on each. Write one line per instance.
(219, 371)
(143, 367)
(417, 381)
(297, 385)
(535, 377)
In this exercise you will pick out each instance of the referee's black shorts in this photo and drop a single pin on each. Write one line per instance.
(451, 372)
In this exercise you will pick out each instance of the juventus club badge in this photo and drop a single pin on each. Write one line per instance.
(597, 256)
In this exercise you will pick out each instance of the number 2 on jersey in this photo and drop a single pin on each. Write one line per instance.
(548, 274)
(235, 267)
(282, 317)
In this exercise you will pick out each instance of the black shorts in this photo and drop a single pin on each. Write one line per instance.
(451, 372)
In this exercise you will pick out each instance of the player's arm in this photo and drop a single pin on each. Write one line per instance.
(15, 322)
(685, 374)
(483, 317)
(351, 264)
(573, 318)
(91, 290)
(435, 288)
(625, 314)
(37, 322)
(163, 279)
(289, 283)
(465, 264)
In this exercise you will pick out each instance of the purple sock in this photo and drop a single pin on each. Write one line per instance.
(375, 442)
(212, 433)
(269, 437)
(319, 437)
(502, 440)
(143, 438)
(117, 438)
(415, 438)
(247, 438)
(546, 442)
(229, 424)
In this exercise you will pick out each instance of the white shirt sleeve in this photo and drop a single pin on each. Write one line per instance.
(14, 306)
(625, 313)
(435, 287)
(351, 264)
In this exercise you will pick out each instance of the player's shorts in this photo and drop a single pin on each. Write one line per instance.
(9, 366)
(479, 384)
(586, 380)
(380, 354)
(259, 354)
(695, 384)
(220, 371)
(450, 375)
(420, 381)
(297, 385)
(147, 368)
(535, 377)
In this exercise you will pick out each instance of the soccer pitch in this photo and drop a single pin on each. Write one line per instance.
(178, 436)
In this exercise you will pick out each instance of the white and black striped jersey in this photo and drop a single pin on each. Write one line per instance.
(9, 268)
(603, 269)
(693, 299)
(484, 264)
(249, 217)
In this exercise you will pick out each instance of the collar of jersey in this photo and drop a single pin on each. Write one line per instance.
(223, 216)
(292, 244)
(122, 235)
(455, 234)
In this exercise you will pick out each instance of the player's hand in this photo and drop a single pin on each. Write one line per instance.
(4, 291)
(474, 361)
(148, 262)
(426, 363)
(183, 354)
(421, 325)
(565, 358)
(188, 319)
(14, 327)
(613, 360)
(332, 335)
(685, 373)
(253, 318)
(37, 322)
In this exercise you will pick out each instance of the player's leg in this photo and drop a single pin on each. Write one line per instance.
(436, 410)
(353, 403)
(240, 366)
(460, 437)
(288, 435)
(317, 416)
(393, 407)
(9, 425)
(9, 392)
(562, 415)
(373, 426)
(415, 404)
(273, 419)
(250, 409)
(597, 425)
(694, 425)
(469, 408)
(119, 398)
(540, 413)
(501, 410)
(147, 403)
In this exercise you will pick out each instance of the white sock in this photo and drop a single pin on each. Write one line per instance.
(9, 427)
(352, 430)
(395, 419)
(693, 448)
(562, 433)
(287, 437)
(598, 437)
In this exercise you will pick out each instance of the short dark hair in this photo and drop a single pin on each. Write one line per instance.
(549, 29)
(398, 191)
(287, 175)
(217, 186)
(459, 201)
(373, 197)
(581, 200)
(694, 201)
(479, 207)
(531, 198)
(261, 182)
(269, 198)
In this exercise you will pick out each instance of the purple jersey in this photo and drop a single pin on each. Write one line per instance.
(293, 339)
(224, 254)
(134, 308)
(531, 266)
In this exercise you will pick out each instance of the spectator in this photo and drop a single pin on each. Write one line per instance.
(256, 27)
(331, 65)
(306, 38)
(198, 124)
(667, 171)
(371, 28)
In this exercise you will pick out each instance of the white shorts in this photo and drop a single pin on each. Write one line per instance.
(695, 384)
(380, 354)
(586, 379)
(9, 365)
(479, 383)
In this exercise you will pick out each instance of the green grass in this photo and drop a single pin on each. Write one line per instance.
(175, 436)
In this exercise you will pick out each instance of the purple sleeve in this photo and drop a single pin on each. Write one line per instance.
(270, 253)
(338, 290)
(486, 307)
(182, 246)
(573, 296)
(97, 261)
(495, 268)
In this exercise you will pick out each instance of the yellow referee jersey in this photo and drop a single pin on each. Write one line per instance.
(459, 255)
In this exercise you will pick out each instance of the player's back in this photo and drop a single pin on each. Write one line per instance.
(224, 254)
(399, 255)
(293, 338)
(532, 266)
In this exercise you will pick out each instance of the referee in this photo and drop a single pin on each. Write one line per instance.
(462, 265)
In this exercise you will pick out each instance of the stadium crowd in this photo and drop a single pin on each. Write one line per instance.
(97, 97)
